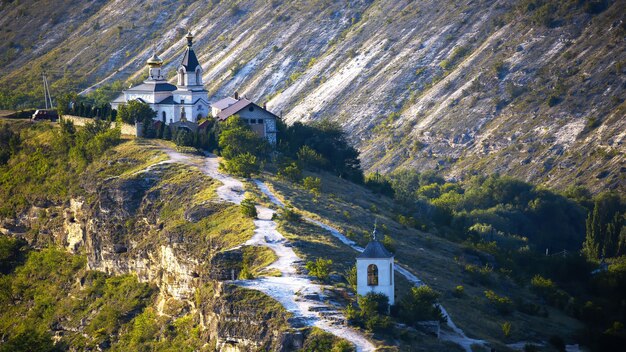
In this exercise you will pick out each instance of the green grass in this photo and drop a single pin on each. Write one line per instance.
(352, 209)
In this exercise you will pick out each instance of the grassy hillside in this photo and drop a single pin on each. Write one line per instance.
(533, 88)
(440, 263)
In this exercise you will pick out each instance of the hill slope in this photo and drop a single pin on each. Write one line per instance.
(534, 89)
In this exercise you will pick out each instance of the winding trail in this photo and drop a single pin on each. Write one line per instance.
(456, 335)
(296, 292)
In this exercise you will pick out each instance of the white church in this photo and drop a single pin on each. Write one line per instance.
(185, 101)
(374, 270)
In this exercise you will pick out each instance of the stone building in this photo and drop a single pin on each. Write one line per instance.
(261, 121)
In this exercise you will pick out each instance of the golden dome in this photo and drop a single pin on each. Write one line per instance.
(155, 61)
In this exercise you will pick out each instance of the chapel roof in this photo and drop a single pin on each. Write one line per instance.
(375, 249)
(190, 61)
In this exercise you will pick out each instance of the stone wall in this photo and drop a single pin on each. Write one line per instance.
(127, 129)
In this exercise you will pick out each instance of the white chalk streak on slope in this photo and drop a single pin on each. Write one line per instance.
(457, 335)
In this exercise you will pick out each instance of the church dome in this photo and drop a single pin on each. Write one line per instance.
(189, 37)
(155, 61)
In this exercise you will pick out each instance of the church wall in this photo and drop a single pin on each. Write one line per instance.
(386, 278)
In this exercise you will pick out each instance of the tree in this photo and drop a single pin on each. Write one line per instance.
(237, 138)
(310, 159)
(135, 111)
(184, 137)
(313, 185)
(290, 172)
(248, 208)
(420, 304)
(373, 310)
(319, 268)
(243, 165)
(605, 224)
(167, 133)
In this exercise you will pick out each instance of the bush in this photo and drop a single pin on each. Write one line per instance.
(135, 111)
(319, 268)
(458, 291)
(289, 214)
(506, 328)
(312, 184)
(242, 165)
(291, 172)
(310, 159)
(419, 305)
(248, 208)
(377, 183)
(502, 304)
(373, 308)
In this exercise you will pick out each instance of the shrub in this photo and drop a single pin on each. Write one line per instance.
(135, 111)
(289, 214)
(502, 304)
(312, 184)
(242, 165)
(373, 306)
(310, 159)
(319, 268)
(458, 291)
(506, 328)
(482, 275)
(419, 305)
(553, 100)
(248, 208)
(291, 172)
(351, 277)
(557, 342)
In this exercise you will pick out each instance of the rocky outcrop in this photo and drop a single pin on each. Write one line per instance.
(118, 227)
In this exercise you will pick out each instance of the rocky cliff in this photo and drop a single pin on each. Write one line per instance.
(162, 225)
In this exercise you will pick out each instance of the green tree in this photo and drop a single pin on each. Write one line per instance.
(319, 268)
(310, 159)
(135, 111)
(290, 172)
(373, 308)
(248, 208)
(605, 227)
(236, 138)
(243, 165)
(420, 304)
(312, 184)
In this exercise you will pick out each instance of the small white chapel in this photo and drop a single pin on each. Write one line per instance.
(374, 270)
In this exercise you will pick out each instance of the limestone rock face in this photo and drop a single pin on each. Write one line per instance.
(118, 229)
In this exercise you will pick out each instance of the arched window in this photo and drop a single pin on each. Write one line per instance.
(181, 78)
(372, 275)
(163, 117)
(198, 77)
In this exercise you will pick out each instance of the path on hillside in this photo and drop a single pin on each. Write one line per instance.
(296, 292)
(456, 335)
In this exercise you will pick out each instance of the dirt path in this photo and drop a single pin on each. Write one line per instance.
(296, 292)
(455, 334)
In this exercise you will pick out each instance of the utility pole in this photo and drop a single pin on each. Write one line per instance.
(46, 91)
